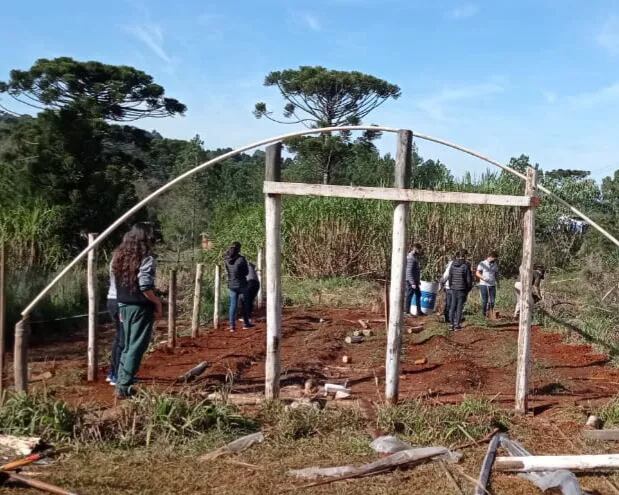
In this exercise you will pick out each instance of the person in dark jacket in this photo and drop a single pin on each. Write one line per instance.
(413, 278)
(460, 283)
(134, 270)
(253, 286)
(237, 269)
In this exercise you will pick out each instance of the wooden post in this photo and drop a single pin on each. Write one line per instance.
(398, 268)
(20, 355)
(197, 299)
(273, 214)
(172, 310)
(259, 269)
(91, 280)
(216, 292)
(526, 298)
(2, 314)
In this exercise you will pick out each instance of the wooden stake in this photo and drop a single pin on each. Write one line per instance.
(2, 313)
(197, 299)
(398, 269)
(536, 463)
(20, 355)
(526, 298)
(259, 268)
(486, 467)
(273, 214)
(91, 281)
(172, 310)
(216, 291)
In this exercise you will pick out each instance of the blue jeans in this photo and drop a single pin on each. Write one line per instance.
(410, 292)
(235, 294)
(488, 295)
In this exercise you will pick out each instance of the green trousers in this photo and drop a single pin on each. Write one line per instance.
(137, 321)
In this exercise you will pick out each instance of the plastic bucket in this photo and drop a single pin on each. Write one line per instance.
(428, 298)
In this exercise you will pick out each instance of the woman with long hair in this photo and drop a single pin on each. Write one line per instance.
(134, 270)
(237, 269)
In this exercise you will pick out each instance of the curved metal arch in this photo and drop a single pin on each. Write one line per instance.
(120, 220)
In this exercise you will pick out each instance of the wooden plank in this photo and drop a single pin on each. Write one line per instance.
(394, 194)
(20, 355)
(172, 310)
(536, 463)
(602, 435)
(259, 269)
(2, 313)
(197, 300)
(273, 214)
(216, 296)
(401, 211)
(91, 281)
(523, 370)
(486, 467)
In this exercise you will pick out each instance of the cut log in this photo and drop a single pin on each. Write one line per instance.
(486, 466)
(332, 388)
(367, 333)
(346, 359)
(364, 324)
(602, 435)
(420, 361)
(353, 339)
(416, 329)
(534, 463)
(594, 422)
(46, 375)
(193, 373)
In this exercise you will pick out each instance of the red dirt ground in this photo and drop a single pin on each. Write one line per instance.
(473, 361)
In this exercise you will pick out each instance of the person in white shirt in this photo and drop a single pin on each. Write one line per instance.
(488, 274)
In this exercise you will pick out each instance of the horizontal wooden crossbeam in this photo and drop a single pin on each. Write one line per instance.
(393, 194)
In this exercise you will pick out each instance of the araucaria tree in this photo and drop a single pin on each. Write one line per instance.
(319, 97)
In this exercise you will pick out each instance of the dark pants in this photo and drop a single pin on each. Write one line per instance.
(458, 298)
(488, 295)
(137, 322)
(410, 292)
(235, 294)
(447, 310)
(249, 297)
(119, 338)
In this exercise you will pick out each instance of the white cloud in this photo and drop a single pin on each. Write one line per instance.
(463, 11)
(608, 37)
(152, 36)
(311, 21)
(608, 95)
(436, 105)
(550, 97)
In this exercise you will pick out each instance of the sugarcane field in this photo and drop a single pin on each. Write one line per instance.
(413, 287)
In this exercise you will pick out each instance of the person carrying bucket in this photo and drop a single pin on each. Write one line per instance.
(460, 282)
(413, 278)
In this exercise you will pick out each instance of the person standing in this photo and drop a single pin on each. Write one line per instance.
(413, 278)
(119, 335)
(134, 270)
(237, 270)
(448, 293)
(253, 286)
(488, 275)
(460, 282)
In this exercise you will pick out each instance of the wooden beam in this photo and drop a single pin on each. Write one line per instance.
(486, 467)
(172, 310)
(91, 281)
(20, 355)
(197, 301)
(273, 219)
(534, 463)
(2, 312)
(394, 194)
(403, 163)
(601, 435)
(216, 294)
(523, 370)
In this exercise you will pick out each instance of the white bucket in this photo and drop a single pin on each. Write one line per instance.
(428, 298)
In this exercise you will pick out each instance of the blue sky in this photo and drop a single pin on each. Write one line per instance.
(538, 77)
